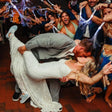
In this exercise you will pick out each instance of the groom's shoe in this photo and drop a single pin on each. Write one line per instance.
(16, 96)
(11, 31)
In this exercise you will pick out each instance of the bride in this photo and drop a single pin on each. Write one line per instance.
(31, 75)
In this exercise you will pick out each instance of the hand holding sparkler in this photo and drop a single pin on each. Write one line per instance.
(83, 4)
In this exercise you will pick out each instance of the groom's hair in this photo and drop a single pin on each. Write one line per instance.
(87, 44)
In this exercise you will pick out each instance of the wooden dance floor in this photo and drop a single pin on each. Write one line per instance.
(70, 97)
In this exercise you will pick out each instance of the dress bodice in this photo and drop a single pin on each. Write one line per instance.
(54, 69)
(64, 68)
(47, 70)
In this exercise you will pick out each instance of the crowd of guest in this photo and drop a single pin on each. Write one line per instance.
(80, 20)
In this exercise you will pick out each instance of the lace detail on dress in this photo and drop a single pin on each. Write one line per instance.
(37, 90)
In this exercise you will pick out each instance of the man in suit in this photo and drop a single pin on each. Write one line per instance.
(54, 46)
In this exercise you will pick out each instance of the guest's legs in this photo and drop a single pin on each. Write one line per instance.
(17, 89)
(17, 93)
(91, 98)
(96, 90)
(108, 93)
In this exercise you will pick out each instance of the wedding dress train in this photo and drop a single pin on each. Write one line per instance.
(36, 89)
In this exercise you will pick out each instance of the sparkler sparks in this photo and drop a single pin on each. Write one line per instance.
(83, 23)
(94, 38)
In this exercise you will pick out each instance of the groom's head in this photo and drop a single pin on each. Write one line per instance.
(84, 48)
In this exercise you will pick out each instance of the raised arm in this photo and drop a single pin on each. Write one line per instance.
(3, 9)
(107, 69)
(95, 19)
(103, 5)
(107, 17)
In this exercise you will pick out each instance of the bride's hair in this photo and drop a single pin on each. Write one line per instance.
(89, 69)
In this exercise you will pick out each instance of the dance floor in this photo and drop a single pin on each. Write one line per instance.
(70, 97)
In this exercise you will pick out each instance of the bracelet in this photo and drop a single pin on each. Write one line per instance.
(101, 72)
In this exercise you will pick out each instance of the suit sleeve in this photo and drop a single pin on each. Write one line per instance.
(57, 41)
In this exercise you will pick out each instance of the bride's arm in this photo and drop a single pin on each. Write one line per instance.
(107, 69)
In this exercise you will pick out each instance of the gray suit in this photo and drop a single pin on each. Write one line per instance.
(47, 46)
(50, 45)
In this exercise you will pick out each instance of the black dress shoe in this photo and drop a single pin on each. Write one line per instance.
(69, 84)
(60, 109)
(16, 96)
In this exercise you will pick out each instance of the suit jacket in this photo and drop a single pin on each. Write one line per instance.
(49, 45)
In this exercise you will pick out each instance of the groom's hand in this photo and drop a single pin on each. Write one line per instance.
(64, 79)
(22, 49)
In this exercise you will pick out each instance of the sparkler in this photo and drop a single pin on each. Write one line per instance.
(50, 3)
(55, 29)
(94, 38)
(83, 23)
(33, 13)
(14, 6)
(42, 9)
(86, 21)
(27, 0)
(46, 14)
(40, 12)
(22, 6)
(14, 1)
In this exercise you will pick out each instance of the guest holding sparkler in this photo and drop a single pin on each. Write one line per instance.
(106, 54)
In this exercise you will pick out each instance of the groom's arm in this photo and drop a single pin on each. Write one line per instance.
(49, 40)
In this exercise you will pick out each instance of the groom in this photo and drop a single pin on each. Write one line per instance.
(54, 46)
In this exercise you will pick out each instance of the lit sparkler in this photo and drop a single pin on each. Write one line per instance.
(50, 3)
(94, 38)
(83, 23)
(14, 6)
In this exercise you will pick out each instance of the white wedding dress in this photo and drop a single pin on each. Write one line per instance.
(26, 69)
(39, 71)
